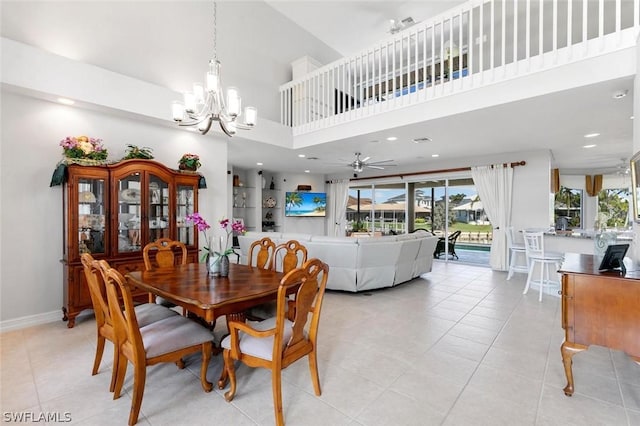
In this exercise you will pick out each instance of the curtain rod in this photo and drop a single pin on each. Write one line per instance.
(430, 172)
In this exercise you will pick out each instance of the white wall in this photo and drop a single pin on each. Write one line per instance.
(31, 233)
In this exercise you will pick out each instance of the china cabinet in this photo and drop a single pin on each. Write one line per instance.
(113, 211)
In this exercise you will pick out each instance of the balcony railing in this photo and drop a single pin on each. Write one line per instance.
(474, 45)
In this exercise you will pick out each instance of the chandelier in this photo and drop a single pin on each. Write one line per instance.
(206, 104)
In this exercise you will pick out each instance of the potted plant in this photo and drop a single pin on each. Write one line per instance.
(134, 151)
(84, 149)
(189, 162)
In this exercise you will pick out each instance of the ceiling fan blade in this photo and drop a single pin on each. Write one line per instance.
(374, 167)
(381, 161)
(365, 159)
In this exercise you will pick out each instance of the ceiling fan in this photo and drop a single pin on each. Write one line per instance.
(623, 168)
(359, 164)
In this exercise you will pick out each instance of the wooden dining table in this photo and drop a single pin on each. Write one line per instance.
(191, 287)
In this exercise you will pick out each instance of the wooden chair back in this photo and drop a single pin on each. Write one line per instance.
(97, 291)
(165, 255)
(104, 325)
(288, 256)
(290, 342)
(263, 250)
(167, 340)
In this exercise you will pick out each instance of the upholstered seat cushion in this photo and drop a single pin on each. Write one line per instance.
(148, 313)
(171, 334)
(256, 346)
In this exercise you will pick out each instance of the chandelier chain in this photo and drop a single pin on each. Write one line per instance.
(215, 31)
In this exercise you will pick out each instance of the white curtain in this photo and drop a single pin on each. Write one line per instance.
(337, 198)
(494, 185)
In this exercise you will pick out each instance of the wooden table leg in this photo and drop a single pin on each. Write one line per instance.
(568, 350)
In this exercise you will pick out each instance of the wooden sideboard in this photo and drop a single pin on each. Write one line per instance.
(598, 308)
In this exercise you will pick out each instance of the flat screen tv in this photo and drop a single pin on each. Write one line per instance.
(305, 204)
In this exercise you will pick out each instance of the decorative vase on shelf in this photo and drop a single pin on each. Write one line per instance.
(273, 184)
(224, 266)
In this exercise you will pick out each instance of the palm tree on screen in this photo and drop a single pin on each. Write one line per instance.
(320, 203)
(293, 199)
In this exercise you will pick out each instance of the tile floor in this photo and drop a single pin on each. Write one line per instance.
(460, 346)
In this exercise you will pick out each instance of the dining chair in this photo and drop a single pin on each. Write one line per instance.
(546, 260)
(146, 313)
(167, 340)
(164, 256)
(286, 257)
(263, 250)
(517, 254)
(279, 341)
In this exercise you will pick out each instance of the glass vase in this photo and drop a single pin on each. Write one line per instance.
(213, 265)
(224, 266)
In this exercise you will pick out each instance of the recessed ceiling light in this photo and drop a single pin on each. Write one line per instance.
(632, 117)
(593, 145)
(620, 94)
(392, 138)
(66, 101)
(422, 140)
(435, 155)
(307, 171)
(301, 155)
(258, 164)
(591, 135)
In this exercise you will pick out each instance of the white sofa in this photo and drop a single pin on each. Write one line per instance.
(363, 263)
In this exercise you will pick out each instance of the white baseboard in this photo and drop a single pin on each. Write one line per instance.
(30, 321)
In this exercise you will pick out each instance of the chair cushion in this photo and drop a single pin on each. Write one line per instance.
(171, 334)
(256, 346)
(150, 312)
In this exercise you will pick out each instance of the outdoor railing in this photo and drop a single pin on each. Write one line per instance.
(476, 44)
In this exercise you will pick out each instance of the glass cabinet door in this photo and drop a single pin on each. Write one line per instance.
(185, 206)
(158, 208)
(129, 214)
(91, 216)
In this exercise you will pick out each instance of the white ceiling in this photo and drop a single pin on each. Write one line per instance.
(139, 39)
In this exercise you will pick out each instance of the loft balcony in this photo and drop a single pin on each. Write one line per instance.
(476, 45)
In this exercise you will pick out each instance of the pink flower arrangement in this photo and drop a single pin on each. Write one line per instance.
(190, 161)
(224, 249)
(83, 147)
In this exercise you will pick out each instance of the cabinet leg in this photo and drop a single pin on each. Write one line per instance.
(568, 350)
(64, 314)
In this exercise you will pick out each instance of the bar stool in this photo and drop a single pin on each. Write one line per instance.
(518, 255)
(536, 255)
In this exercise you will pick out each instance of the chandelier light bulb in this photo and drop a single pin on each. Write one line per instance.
(250, 116)
(198, 93)
(213, 76)
(177, 110)
(233, 102)
(189, 102)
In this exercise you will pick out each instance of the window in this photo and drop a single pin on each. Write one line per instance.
(567, 210)
(613, 208)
